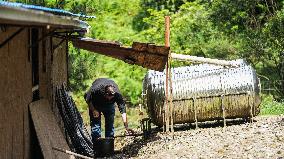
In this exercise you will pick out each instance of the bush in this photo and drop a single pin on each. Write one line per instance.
(271, 107)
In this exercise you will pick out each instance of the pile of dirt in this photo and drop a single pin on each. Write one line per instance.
(263, 138)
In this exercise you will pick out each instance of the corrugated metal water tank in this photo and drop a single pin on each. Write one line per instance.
(201, 92)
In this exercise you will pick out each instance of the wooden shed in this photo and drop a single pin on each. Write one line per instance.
(33, 61)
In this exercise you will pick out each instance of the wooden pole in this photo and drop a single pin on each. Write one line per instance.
(170, 81)
(167, 31)
(223, 109)
(71, 153)
(203, 60)
(169, 104)
(167, 44)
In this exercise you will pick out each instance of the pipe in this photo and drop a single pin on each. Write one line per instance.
(204, 60)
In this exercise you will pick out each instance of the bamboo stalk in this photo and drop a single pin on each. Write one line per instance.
(71, 153)
(203, 60)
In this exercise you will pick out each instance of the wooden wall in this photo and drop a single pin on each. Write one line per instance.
(15, 94)
(16, 136)
(52, 65)
(59, 62)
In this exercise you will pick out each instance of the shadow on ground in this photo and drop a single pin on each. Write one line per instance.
(132, 147)
(212, 124)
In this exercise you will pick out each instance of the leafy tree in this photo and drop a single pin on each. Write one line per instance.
(193, 33)
(158, 5)
(257, 26)
(82, 68)
(240, 15)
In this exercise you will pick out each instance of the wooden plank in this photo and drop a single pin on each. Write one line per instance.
(47, 130)
(27, 97)
(43, 84)
(6, 133)
(13, 97)
(18, 93)
(59, 63)
(143, 54)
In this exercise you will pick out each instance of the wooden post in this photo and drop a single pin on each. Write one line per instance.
(195, 112)
(251, 106)
(223, 109)
(169, 105)
(167, 31)
(167, 44)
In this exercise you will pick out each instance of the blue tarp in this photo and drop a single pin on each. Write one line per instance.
(44, 9)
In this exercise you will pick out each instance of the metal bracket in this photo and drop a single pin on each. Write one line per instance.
(57, 45)
(146, 127)
(67, 35)
(3, 28)
(11, 37)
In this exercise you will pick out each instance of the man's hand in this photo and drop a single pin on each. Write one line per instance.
(129, 131)
(96, 114)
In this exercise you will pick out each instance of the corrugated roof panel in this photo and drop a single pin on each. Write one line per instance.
(41, 8)
(31, 15)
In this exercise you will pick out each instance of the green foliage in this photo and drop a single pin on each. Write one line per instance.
(239, 15)
(148, 5)
(81, 68)
(156, 31)
(193, 33)
(271, 107)
(257, 27)
(114, 20)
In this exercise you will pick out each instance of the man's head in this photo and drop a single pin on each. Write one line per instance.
(109, 92)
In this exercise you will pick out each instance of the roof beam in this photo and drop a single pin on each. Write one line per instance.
(143, 54)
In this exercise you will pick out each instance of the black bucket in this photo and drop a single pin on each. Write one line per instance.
(104, 147)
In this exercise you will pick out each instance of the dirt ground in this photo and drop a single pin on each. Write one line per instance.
(263, 138)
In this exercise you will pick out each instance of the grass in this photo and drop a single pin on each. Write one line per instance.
(269, 106)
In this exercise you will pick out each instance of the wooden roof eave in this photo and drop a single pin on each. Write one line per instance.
(143, 54)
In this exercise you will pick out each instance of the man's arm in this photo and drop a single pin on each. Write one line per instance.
(90, 104)
(121, 106)
(93, 110)
(124, 119)
(128, 130)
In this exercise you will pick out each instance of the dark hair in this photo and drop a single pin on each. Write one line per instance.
(109, 90)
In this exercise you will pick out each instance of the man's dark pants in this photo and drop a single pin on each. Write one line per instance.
(108, 111)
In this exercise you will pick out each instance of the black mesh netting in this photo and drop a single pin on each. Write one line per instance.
(73, 123)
